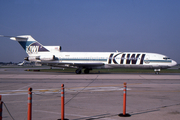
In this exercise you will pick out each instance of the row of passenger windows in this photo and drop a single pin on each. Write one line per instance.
(94, 58)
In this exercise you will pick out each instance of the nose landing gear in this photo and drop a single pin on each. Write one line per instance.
(157, 71)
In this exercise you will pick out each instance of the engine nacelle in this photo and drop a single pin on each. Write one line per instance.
(47, 58)
(31, 58)
(43, 58)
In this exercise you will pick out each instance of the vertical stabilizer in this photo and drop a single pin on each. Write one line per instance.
(29, 44)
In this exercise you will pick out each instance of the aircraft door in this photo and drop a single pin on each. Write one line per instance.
(147, 61)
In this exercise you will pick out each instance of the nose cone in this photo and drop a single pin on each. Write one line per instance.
(173, 63)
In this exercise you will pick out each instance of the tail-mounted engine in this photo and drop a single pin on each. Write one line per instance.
(42, 58)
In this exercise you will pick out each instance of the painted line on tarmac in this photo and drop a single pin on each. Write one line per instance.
(89, 89)
(48, 91)
(96, 89)
(155, 91)
(22, 92)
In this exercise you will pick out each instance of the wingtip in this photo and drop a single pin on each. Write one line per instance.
(5, 36)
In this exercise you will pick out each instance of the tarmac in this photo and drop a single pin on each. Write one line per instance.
(90, 96)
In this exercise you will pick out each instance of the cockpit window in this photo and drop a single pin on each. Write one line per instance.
(166, 58)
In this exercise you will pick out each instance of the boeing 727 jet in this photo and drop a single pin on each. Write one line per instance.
(52, 56)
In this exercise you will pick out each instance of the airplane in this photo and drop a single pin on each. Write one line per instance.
(54, 57)
(21, 63)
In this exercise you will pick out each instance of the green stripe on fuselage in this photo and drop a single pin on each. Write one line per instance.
(159, 61)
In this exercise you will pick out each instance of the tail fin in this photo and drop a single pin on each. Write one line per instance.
(30, 45)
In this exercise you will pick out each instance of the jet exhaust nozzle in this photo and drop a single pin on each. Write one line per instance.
(26, 58)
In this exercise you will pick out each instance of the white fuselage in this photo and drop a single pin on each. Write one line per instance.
(111, 59)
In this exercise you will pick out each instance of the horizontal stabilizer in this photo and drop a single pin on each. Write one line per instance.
(29, 44)
(17, 38)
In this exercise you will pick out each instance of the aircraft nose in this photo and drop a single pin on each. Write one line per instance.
(173, 63)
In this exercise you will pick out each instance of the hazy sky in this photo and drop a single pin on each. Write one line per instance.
(92, 25)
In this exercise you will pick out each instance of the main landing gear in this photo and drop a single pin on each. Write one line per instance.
(157, 71)
(79, 71)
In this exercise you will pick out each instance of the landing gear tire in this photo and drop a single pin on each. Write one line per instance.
(86, 71)
(157, 72)
(78, 71)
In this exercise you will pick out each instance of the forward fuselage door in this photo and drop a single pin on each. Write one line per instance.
(147, 61)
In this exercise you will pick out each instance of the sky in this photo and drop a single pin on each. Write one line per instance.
(92, 26)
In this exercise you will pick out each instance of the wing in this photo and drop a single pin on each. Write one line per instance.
(72, 65)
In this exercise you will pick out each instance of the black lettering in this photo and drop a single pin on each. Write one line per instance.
(114, 59)
(122, 58)
(134, 60)
(127, 59)
(142, 58)
(110, 58)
